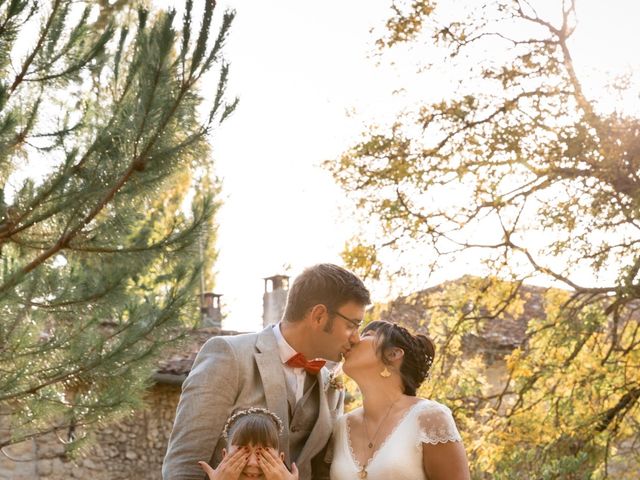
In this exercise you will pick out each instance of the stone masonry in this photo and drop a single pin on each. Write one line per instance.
(125, 450)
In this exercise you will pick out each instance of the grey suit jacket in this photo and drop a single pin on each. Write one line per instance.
(238, 372)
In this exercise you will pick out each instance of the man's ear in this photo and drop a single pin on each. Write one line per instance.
(317, 313)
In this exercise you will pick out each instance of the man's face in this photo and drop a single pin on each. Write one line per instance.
(340, 331)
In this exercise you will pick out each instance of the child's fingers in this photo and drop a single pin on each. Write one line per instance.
(264, 466)
(232, 463)
(207, 469)
(294, 471)
(272, 453)
(238, 462)
(232, 457)
(269, 464)
(239, 452)
(261, 456)
(269, 458)
(226, 460)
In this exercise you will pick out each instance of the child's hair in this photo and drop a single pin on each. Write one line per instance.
(253, 426)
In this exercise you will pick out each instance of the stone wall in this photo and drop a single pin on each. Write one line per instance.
(129, 449)
(17, 461)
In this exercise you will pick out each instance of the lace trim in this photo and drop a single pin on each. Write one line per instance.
(443, 437)
(443, 432)
(384, 442)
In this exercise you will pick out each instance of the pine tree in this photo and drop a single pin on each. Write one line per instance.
(103, 132)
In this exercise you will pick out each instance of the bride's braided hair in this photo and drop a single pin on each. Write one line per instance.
(419, 352)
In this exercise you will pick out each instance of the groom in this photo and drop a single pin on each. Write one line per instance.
(325, 307)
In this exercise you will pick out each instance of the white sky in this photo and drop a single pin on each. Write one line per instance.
(298, 67)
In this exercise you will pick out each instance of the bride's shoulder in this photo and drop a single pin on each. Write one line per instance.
(425, 407)
(436, 423)
(428, 404)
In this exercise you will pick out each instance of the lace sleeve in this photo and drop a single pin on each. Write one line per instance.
(436, 425)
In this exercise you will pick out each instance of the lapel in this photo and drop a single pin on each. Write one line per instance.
(273, 381)
(291, 397)
(322, 428)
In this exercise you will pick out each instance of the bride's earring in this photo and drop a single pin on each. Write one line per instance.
(385, 373)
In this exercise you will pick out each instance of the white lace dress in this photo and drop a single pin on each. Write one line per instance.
(400, 455)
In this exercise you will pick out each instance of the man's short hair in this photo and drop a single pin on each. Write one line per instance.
(325, 284)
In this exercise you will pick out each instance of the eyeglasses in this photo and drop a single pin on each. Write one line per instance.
(354, 323)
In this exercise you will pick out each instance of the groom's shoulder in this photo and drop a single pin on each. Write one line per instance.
(238, 341)
(242, 339)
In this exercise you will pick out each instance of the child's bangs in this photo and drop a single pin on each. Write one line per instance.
(255, 430)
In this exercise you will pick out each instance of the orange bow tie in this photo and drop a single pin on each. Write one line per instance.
(311, 366)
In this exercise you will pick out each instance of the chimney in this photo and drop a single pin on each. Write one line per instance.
(274, 299)
(210, 310)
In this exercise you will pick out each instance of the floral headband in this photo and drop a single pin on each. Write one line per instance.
(249, 411)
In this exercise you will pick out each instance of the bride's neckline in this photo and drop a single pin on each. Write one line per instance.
(384, 442)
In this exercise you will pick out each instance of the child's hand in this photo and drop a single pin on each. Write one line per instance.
(273, 467)
(229, 468)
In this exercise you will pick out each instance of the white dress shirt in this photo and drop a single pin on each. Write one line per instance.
(295, 376)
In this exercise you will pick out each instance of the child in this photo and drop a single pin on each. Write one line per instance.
(254, 450)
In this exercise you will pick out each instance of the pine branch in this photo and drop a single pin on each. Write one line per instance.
(41, 39)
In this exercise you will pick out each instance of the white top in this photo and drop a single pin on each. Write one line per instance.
(399, 457)
(295, 376)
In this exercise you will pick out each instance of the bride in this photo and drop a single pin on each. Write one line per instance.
(395, 435)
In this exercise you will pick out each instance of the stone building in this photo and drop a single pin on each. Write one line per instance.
(274, 299)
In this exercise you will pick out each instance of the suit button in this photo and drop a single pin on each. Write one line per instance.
(294, 428)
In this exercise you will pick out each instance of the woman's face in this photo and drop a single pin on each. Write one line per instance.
(251, 470)
(363, 355)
